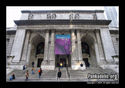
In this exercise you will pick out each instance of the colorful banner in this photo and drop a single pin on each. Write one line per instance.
(62, 44)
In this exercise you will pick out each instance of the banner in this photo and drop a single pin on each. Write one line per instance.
(62, 44)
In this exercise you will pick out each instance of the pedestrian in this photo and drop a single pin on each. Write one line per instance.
(24, 67)
(81, 64)
(27, 75)
(32, 70)
(40, 72)
(61, 65)
(13, 76)
(32, 64)
(59, 74)
(86, 62)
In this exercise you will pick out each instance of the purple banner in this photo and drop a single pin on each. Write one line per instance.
(62, 44)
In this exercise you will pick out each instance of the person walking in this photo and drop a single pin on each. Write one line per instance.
(81, 64)
(24, 67)
(86, 62)
(13, 76)
(32, 70)
(61, 65)
(27, 75)
(59, 74)
(32, 64)
(40, 72)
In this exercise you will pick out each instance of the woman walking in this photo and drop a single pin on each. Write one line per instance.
(27, 75)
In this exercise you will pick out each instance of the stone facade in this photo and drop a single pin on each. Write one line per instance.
(90, 27)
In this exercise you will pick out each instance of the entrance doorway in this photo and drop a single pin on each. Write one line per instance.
(86, 62)
(39, 62)
(64, 59)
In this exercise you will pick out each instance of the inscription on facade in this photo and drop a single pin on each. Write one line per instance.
(71, 16)
(51, 16)
(74, 16)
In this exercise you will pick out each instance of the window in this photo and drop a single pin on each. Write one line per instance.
(8, 40)
(117, 39)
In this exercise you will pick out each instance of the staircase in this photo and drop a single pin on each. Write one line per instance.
(51, 75)
(64, 75)
(81, 75)
(46, 75)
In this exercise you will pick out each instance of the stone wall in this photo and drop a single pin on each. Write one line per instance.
(9, 44)
(115, 40)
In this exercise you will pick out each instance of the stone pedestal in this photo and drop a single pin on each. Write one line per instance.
(97, 52)
(25, 48)
(48, 61)
(51, 49)
(107, 44)
(28, 53)
(79, 46)
(76, 52)
(46, 45)
(100, 48)
(74, 47)
(18, 45)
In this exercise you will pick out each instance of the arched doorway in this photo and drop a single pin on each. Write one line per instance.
(40, 53)
(37, 50)
(88, 50)
(62, 49)
(85, 53)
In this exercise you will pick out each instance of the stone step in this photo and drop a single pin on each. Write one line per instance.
(78, 75)
(45, 74)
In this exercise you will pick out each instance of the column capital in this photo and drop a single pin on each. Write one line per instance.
(73, 30)
(78, 30)
(46, 31)
(53, 30)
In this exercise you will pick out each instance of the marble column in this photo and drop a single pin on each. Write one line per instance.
(46, 45)
(51, 47)
(18, 45)
(107, 44)
(79, 46)
(25, 46)
(100, 48)
(74, 47)
(51, 50)
(28, 53)
(97, 53)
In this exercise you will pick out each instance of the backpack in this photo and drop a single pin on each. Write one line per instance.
(39, 70)
(11, 77)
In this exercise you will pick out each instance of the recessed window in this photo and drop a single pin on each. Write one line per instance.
(8, 40)
(117, 39)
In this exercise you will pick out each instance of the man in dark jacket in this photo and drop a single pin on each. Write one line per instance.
(13, 76)
(59, 74)
(40, 72)
(32, 64)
